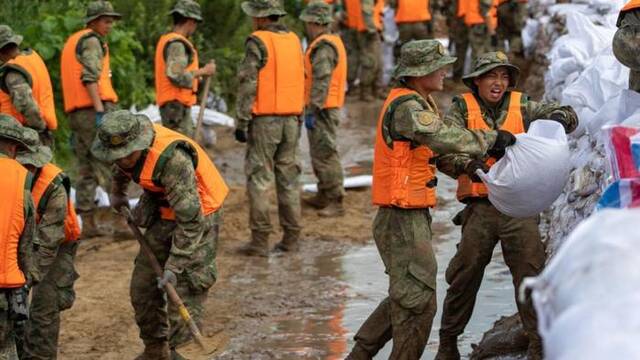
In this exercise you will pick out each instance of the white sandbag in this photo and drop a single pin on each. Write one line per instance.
(352, 182)
(532, 173)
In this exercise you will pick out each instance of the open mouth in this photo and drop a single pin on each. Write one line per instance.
(496, 92)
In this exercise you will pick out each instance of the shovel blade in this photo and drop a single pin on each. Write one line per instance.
(213, 345)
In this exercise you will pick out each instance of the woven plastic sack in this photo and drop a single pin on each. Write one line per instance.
(532, 173)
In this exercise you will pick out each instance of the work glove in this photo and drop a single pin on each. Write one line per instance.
(241, 135)
(310, 120)
(503, 141)
(472, 166)
(118, 202)
(99, 116)
(560, 118)
(168, 277)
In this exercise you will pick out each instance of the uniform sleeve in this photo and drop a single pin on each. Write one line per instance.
(254, 60)
(51, 228)
(27, 241)
(324, 60)
(177, 61)
(178, 178)
(565, 115)
(630, 18)
(119, 182)
(22, 99)
(454, 164)
(90, 56)
(367, 14)
(424, 127)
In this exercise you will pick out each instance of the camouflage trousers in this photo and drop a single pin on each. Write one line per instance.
(7, 331)
(364, 57)
(479, 40)
(157, 320)
(634, 80)
(483, 226)
(51, 296)
(511, 21)
(459, 35)
(403, 238)
(177, 116)
(323, 148)
(412, 31)
(272, 153)
(91, 172)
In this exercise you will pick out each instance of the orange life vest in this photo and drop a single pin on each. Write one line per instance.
(32, 66)
(12, 221)
(335, 96)
(355, 18)
(462, 8)
(281, 79)
(327, 1)
(631, 5)
(46, 176)
(472, 15)
(165, 90)
(74, 92)
(493, 15)
(514, 124)
(211, 186)
(402, 175)
(413, 11)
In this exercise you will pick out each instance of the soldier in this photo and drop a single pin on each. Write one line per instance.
(459, 35)
(177, 69)
(363, 24)
(326, 77)
(25, 86)
(627, 41)
(17, 233)
(88, 94)
(270, 103)
(409, 135)
(479, 17)
(512, 15)
(413, 18)
(58, 232)
(491, 105)
(183, 192)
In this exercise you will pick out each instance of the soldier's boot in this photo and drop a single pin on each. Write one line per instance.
(90, 228)
(448, 349)
(318, 201)
(156, 351)
(358, 353)
(290, 242)
(121, 229)
(534, 351)
(258, 246)
(334, 209)
(366, 94)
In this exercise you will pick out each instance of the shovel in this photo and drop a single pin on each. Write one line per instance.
(203, 351)
(203, 102)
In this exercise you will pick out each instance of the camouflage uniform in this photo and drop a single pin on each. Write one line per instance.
(186, 247)
(28, 258)
(410, 30)
(625, 45)
(482, 224)
(403, 236)
(54, 293)
(272, 147)
(459, 35)
(479, 38)
(512, 16)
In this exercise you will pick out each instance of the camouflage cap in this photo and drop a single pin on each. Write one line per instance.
(39, 157)
(95, 9)
(263, 8)
(625, 46)
(487, 62)
(7, 36)
(187, 8)
(420, 58)
(318, 12)
(120, 134)
(10, 129)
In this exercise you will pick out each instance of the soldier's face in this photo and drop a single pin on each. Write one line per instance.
(493, 85)
(130, 161)
(102, 25)
(434, 81)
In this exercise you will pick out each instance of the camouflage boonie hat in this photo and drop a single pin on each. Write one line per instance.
(420, 58)
(120, 134)
(487, 62)
(625, 47)
(39, 157)
(187, 8)
(263, 8)
(95, 9)
(7, 36)
(317, 12)
(10, 129)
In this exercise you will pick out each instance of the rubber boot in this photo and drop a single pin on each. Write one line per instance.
(358, 353)
(121, 229)
(534, 351)
(258, 246)
(318, 201)
(335, 209)
(290, 242)
(448, 349)
(156, 351)
(89, 227)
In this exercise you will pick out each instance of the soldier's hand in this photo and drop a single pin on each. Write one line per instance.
(561, 119)
(472, 166)
(168, 277)
(209, 69)
(99, 116)
(310, 121)
(503, 141)
(241, 135)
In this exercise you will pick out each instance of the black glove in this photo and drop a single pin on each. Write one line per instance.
(471, 168)
(560, 118)
(241, 135)
(503, 141)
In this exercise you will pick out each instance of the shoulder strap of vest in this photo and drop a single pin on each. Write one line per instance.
(515, 101)
(473, 107)
(387, 134)
(187, 48)
(60, 179)
(166, 156)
